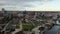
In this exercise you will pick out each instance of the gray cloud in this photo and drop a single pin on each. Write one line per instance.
(16, 2)
(20, 3)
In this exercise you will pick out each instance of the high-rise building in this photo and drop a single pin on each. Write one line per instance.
(4, 12)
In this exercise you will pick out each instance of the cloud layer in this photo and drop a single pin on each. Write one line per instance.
(18, 2)
(24, 4)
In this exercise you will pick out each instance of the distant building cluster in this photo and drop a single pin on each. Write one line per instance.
(10, 19)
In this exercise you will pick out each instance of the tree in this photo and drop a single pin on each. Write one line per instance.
(42, 29)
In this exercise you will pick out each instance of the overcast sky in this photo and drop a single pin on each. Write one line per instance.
(31, 5)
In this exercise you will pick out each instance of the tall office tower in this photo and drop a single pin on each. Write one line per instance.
(4, 12)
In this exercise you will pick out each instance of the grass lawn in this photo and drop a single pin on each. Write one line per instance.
(27, 27)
